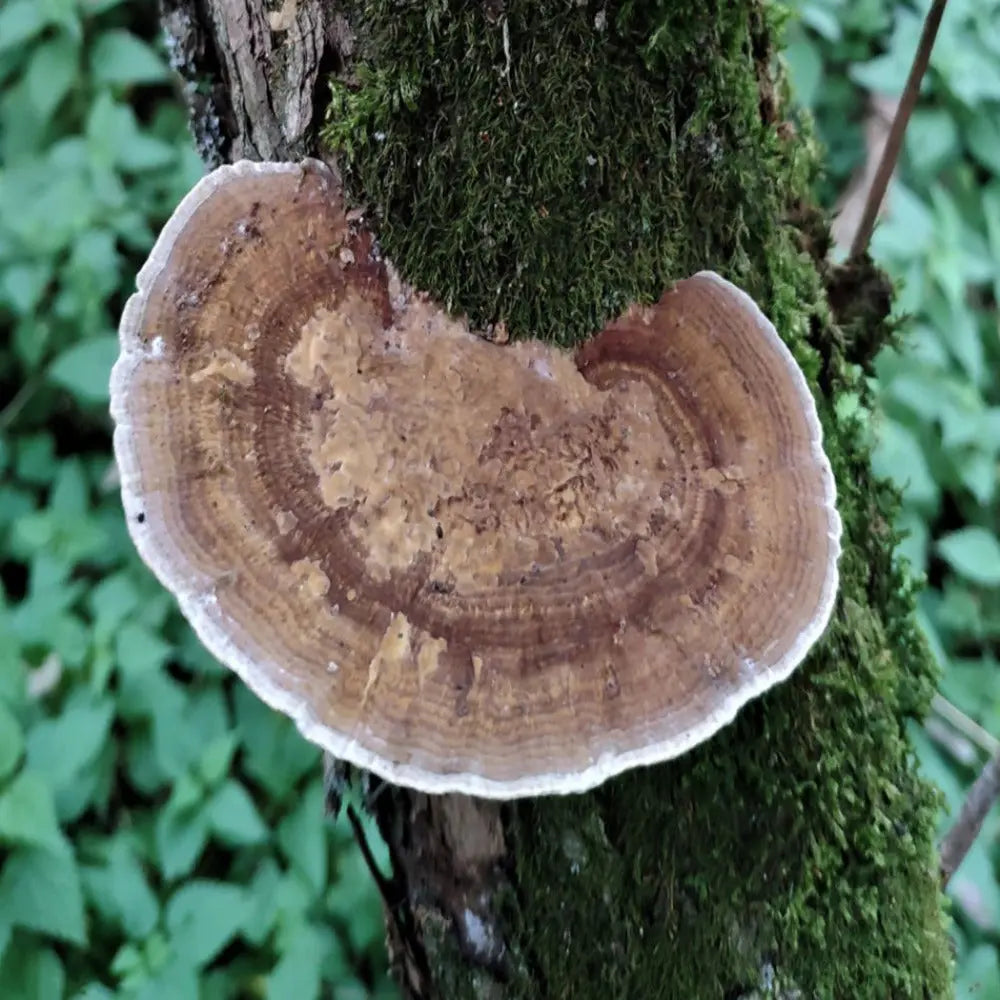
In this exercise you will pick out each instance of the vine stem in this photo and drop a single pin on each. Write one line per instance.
(876, 193)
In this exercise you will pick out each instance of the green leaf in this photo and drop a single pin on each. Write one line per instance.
(40, 891)
(20, 21)
(112, 600)
(203, 916)
(991, 216)
(297, 974)
(978, 974)
(983, 137)
(46, 208)
(176, 980)
(350, 900)
(974, 553)
(805, 65)
(36, 460)
(11, 741)
(94, 991)
(32, 972)
(262, 910)
(978, 472)
(84, 726)
(121, 893)
(273, 752)
(70, 492)
(216, 759)
(28, 816)
(886, 74)
(180, 839)
(234, 817)
(139, 650)
(21, 287)
(303, 839)
(931, 139)
(899, 457)
(51, 73)
(85, 369)
(118, 57)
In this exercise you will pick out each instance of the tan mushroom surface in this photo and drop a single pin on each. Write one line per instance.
(500, 570)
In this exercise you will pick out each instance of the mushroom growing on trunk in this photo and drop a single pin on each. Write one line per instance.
(497, 570)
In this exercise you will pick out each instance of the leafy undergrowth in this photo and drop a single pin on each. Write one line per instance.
(161, 832)
(937, 425)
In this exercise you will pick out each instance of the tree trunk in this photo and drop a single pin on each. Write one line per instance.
(544, 163)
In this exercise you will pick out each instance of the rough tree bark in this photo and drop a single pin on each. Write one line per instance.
(543, 163)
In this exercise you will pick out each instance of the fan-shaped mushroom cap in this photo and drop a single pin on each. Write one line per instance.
(496, 570)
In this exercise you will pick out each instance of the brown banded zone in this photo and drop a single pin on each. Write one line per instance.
(459, 564)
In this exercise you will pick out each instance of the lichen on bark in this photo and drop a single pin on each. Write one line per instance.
(543, 164)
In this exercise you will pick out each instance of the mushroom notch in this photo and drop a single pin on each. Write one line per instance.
(497, 570)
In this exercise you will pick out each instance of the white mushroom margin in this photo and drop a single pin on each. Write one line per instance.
(196, 599)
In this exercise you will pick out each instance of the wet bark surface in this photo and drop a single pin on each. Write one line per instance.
(254, 73)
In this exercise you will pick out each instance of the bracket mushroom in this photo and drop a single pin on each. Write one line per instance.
(497, 570)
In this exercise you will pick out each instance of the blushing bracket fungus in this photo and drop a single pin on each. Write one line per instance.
(502, 571)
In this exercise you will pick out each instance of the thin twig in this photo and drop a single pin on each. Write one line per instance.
(969, 728)
(895, 141)
(960, 838)
(394, 898)
(385, 886)
(18, 401)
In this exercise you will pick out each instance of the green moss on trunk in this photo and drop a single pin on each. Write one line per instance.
(546, 164)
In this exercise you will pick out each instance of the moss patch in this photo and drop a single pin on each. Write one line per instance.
(545, 164)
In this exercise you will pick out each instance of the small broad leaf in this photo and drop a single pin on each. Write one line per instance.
(273, 752)
(140, 650)
(32, 972)
(51, 73)
(40, 891)
(180, 839)
(94, 991)
(113, 600)
(28, 815)
(298, 972)
(805, 64)
(262, 910)
(11, 741)
(203, 916)
(975, 553)
(234, 816)
(302, 836)
(215, 759)
(899, 457)
(85, 369)
(983, 137)
(979, 974)
(121, 58)
(121, 892)
(20, 21)
(82, 726)
(931, 138)
(21, 287)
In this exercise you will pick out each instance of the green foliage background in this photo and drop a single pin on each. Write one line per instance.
(161, 832)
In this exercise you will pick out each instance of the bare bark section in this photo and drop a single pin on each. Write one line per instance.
(251, 72)
(448, 854)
